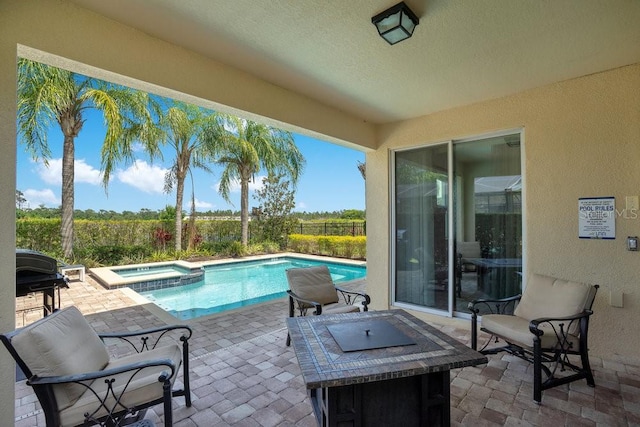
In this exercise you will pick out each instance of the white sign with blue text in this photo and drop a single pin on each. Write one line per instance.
(597, 217)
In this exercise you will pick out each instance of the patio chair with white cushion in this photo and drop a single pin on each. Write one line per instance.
(548, 326)
(78, 383)
(312, 291)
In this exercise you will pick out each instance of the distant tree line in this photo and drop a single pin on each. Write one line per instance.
(113, 238)
(166, 213)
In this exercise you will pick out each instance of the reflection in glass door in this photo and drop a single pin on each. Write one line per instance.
(481, 221)
(421, 211)
(488, 219)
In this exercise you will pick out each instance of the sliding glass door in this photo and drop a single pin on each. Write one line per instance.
(457, 223)
(421, 218)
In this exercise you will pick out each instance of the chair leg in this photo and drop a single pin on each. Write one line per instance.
(185, 373)
(168, 411)
(586, 366)
(537, 370)
(291, 314)
(474, 331)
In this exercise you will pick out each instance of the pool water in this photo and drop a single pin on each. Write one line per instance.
(228, 286)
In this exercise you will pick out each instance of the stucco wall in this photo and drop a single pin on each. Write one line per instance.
(581, 139)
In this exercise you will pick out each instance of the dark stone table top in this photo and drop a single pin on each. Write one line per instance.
(324, 364)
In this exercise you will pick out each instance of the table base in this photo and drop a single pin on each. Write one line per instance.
(421, 400)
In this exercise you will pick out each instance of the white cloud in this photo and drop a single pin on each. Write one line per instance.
(201, 204)
(84, 172)
(230, 126)
(143, 176)
(87, 173)
(36, 198)
(301, 205)
(52, 175)
(254, 185)
(138, 147)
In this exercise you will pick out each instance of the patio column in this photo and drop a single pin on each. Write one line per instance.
(8, 103)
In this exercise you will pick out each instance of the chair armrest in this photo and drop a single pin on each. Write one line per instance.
(535, 323)
(90, 376)
(351, 297)
(300, 300)
(146, 331)
(500, 305)
(145, 334)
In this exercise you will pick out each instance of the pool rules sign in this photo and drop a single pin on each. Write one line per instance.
(597, 217)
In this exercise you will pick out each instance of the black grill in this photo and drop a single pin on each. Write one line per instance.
(37, 272)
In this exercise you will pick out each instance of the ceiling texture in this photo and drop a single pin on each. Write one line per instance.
(462, 52)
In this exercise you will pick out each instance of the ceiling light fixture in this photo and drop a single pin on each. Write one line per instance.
(396, 23)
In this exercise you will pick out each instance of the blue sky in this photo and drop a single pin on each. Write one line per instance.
(330, 181)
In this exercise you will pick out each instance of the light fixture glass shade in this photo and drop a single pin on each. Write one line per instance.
(396, 23)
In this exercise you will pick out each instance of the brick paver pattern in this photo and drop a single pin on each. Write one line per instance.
(242, 374)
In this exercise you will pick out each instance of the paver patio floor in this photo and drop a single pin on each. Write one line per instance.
(242, 374)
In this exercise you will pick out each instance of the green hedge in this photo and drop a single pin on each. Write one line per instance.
(109, 242)
(39, 235)
(338, 246)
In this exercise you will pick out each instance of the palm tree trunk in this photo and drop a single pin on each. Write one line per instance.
(68, 173)
(244, 211)
(179, 197)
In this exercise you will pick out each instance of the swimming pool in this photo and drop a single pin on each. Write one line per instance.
(238, 284)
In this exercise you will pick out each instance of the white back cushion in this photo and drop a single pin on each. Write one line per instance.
(62, 344)
(313, 283)
(550, 297)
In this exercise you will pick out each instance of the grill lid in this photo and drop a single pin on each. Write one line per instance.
(29, 263)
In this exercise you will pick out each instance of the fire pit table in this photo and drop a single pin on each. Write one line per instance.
(377, 368)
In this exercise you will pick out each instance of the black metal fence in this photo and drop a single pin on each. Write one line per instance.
(332, 228)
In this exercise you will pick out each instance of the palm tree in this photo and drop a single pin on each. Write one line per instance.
(362, 167)
(250, 147)
(48, 95)
(195, 134)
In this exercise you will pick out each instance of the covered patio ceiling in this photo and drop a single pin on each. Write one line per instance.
(462, 52)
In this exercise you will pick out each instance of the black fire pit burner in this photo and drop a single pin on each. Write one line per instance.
(368, 335)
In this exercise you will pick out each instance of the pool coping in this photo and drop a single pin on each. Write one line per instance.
(106, 277)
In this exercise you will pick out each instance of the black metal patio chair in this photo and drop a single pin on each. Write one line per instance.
(77, 382)
(548, 326)
(312, 291)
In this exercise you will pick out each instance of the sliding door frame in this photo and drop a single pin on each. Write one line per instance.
(450, 312)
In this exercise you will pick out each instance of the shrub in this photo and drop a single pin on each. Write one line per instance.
(270, 247)
(338, 246)
(112, 254)
(236, 249)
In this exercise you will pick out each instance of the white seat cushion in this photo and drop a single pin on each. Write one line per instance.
(339, 307)
(515, 330)
(143, 388)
